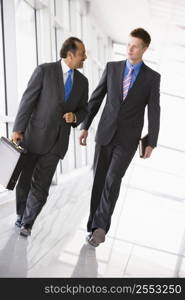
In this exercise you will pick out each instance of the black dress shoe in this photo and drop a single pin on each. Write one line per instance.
(25, 230)
(97, 237)
(18, 221)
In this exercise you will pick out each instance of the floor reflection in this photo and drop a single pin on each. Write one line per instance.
(13, 257)
(87, 265)
(180, 259)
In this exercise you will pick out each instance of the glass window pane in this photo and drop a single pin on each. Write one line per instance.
(26, 43)
(172, 122)
(69, 161)
(2, 90)
(78, 149)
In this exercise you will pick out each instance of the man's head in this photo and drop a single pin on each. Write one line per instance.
(73, 52)
(139, 40)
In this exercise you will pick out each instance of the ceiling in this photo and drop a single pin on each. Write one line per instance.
(118, 17)
(163, 19)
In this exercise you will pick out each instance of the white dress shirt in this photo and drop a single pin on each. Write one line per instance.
(65, 69)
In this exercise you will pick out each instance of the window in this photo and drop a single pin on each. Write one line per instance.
(58, 31)
(26, 43)
(3, 107)
(69, 14)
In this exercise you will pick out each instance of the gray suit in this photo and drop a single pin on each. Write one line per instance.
(46, 134)
(42, 106)
(129, 114)
(118, 133)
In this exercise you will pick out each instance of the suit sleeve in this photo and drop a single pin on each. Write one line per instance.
(154, 112)
(29, 99)
(96, 100)
(81, 112)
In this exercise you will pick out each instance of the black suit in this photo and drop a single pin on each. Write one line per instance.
(46, 133)
(118, 133)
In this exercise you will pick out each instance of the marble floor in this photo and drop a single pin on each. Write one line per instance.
(147, 235)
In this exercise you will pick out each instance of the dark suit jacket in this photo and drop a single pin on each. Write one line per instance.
(42, 106)
(127, 114)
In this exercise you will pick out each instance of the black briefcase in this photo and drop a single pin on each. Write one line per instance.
(11, 162)
(143, 143)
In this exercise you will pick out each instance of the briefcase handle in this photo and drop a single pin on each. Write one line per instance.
(17, 145)
(13, 144)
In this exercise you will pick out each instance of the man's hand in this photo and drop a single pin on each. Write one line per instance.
(16, 136)
(83, 136)
(69, 117)
(148, 151)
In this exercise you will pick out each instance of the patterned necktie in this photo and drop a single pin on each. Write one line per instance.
(68, 85)
(126, 82)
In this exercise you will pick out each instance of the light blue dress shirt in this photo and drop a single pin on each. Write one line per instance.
(136, 67)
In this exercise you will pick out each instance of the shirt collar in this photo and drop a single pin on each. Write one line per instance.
(135, 66)
(65, 67)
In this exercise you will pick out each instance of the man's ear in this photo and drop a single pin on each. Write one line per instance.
(145, 48)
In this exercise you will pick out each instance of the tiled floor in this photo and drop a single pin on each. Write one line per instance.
(146, 239)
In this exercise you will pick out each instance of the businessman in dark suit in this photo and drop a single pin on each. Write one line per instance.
(54, 100)
(130, 86)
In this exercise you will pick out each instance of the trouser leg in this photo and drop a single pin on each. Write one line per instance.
(24, 182)
(119, 163)
(102, 160)
(40, 184)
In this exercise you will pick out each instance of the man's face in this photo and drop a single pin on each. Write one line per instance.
(78, 58)
(135, 49)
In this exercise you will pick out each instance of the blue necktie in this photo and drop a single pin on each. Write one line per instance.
(68, 85)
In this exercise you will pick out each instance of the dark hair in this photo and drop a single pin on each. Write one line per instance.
(69, 45)
(141, 34)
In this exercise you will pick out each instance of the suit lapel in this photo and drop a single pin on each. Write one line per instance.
(140, 77)
(121, 71)
(138, 82)
(61, 83)
(60, 80)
